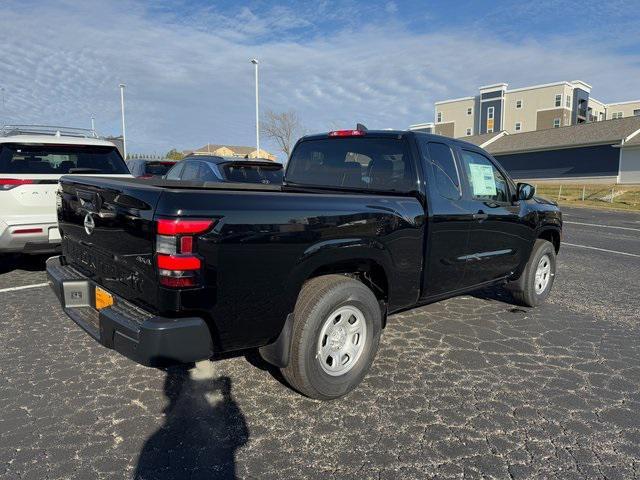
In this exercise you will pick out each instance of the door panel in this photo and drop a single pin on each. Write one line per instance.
(498, 236)
(448, 234)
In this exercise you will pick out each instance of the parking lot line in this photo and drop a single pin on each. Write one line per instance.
(603, 226)
(24, 287)
(601, 249)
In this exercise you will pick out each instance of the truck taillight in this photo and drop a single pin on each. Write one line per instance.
(347, 133)
(178, 266)
(9, 183)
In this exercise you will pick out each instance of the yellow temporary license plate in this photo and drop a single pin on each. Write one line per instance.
(103, 299)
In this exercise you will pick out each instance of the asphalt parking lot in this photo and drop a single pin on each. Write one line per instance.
(473, 386)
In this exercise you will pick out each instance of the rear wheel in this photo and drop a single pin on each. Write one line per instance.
(534, 286)
(336, 331)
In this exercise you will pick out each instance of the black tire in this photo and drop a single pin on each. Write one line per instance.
(318, 298)
(524, 289)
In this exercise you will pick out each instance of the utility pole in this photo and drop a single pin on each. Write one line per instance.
(255, 62)
(93, 125)
(124, 134)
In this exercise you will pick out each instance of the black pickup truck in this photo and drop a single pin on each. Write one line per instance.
(365, 224)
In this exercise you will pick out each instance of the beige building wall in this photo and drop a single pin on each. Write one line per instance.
(627, 109)
(446, 129)
(546, 118)
(598, 109)
(456, 111)
(535, 100)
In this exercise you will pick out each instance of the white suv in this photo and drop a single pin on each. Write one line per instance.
(32, 159)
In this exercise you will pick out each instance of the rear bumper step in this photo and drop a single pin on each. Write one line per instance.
(147, 339)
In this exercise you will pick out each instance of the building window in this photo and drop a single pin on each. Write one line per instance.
(518, 103)
(636, 113)
(490, 112)
(469, 111)
(568, 101)
(468, 132)
(556, 123)
(558, 100)
(601, 115)
(617, 115)
(439, 117)
(518, 126)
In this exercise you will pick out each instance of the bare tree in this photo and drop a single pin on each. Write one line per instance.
(283, 128)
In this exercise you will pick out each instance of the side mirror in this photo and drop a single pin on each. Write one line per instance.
(526, 191)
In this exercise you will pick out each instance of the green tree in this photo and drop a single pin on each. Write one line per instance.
(174, 154)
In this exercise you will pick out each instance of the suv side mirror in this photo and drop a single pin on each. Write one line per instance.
(526, 191)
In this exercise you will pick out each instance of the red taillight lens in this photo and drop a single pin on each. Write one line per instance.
(177, 262)
(23, 231)
(9, 183)
(181, 227)
(177, 282)
(347, 133)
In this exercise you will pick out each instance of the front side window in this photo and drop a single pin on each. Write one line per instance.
(636, 113)
(518, 103)
(558, 101)
(353, 162)
(568, 101)
(490, 113)
(468, 132)
(469, 111)
(518, 126)
(486, 183)
(443, 168)
(439, 117)
(60, 159)
(556, 123)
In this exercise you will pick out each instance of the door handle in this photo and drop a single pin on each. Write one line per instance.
(480, 215)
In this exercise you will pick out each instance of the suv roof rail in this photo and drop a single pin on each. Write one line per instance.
(9, 130)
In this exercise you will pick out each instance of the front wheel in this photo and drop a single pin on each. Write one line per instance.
(336, 331)
(534, 286)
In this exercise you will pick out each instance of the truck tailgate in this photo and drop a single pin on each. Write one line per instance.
(108, 233)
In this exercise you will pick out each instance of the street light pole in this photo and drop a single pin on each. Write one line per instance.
(124, 134)
(255, 62)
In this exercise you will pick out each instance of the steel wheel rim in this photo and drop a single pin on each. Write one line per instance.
(543, 274)
(341, 341)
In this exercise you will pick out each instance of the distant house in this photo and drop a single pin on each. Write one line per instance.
(231, 151)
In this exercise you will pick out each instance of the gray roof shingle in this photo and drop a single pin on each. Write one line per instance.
(595, 133)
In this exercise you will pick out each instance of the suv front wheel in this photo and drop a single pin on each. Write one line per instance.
(336, 331)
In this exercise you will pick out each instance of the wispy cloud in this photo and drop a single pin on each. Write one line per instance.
(189, 79)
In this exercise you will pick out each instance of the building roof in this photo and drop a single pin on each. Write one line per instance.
(633, 141)
(480, 139)
(594, 133)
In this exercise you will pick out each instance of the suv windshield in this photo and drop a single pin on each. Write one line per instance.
(358, 162)
(60, 159)
(253, 173)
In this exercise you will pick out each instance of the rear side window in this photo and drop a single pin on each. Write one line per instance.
(356, 162)
(265, 174)
(60, 159)
(443, 168)
(176, 170)
(157, 169)
(190, 171)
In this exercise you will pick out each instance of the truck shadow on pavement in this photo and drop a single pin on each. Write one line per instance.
(203, 428)
(29, 263)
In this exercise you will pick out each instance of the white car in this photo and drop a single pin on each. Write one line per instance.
(32, 159)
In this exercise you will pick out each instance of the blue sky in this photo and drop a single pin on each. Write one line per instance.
(189, 80)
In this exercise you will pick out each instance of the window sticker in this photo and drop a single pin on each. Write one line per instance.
(482, 180)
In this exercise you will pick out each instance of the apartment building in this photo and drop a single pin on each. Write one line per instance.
(538, 107)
